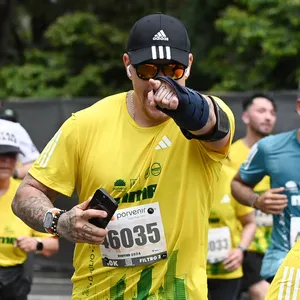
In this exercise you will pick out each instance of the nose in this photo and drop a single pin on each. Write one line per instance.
(269, 116)
(160, 72)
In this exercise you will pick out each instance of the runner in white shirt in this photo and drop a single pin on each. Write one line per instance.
(29, 150)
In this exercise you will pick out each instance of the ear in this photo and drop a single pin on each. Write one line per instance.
(126, 61)
(298, 106)
(245, 117)
(128, 71)
(188, 69)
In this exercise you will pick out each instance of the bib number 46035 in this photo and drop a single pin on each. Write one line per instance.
(139, 235)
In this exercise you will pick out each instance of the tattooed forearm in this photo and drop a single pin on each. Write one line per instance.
(32, 210)
(31, 202)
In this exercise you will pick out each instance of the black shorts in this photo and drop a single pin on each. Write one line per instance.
(225, 289)
(251, 269)
(14, 284)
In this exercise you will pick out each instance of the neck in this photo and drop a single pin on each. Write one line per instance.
(130, 104)
(4, 185)
(139, 115)
(251, 138)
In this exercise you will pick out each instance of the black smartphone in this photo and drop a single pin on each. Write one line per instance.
(102, 200)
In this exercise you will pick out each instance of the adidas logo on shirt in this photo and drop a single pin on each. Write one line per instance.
(160, 36)
(163, 143)
(225, 199)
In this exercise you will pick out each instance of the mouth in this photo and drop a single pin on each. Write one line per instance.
(266, 124)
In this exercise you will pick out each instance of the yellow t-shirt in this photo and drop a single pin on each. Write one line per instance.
(102, 146)
(262, 239)
(11, 228)
(285, 284)
(224, 214)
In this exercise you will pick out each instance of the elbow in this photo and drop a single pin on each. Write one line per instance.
(14, 205)
(251, 225)
(232, 186)
(16, 201)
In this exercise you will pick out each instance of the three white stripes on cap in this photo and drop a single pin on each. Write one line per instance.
(160, 52)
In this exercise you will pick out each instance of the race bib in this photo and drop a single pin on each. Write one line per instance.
(135, 237)
(263, 219)
(219, 244)
(295, 230)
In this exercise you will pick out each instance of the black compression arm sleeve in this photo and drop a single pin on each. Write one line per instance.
(192, 112)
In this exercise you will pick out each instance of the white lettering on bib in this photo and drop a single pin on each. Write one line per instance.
(219, 244)
(263, 219)
(135, 237)
(295, 230)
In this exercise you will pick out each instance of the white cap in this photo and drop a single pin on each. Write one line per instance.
(8, 139)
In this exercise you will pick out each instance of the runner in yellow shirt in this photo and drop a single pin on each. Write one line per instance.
(226, 241)
(158, 151)
(259, 116)
(16, 238)
(286, 283)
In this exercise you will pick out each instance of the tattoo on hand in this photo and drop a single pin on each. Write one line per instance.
(67, 225)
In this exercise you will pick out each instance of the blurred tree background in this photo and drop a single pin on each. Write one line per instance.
(65, 49)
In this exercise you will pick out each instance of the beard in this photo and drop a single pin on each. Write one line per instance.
(261, 133)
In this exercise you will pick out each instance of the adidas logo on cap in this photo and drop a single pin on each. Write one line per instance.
(160, 36)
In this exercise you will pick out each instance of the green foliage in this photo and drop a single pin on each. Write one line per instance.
(81, 51)
(38, 78)
(237, 45)
(261, 48)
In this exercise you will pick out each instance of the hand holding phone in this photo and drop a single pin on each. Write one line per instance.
(102, 200)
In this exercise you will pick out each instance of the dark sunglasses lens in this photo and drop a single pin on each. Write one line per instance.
(146, 71)
(175, 71)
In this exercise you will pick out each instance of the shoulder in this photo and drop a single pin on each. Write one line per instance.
(103, 107)
(95, 117)
(237, 144)
(276, 141)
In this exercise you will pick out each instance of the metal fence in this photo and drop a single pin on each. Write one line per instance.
(42, 118)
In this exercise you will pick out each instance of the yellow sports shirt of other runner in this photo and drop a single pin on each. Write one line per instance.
(238, 154)
(135, 179)
(11, 228)
(224, 217)
(286, 283)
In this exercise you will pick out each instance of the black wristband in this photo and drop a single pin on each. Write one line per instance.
(192, 112)
(219, 131)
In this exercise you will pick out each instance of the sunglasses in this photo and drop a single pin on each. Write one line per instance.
(147, 71)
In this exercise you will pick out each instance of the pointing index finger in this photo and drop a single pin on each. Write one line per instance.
(155, 84)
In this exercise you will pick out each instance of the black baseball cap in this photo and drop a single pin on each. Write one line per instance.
(158, 36)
